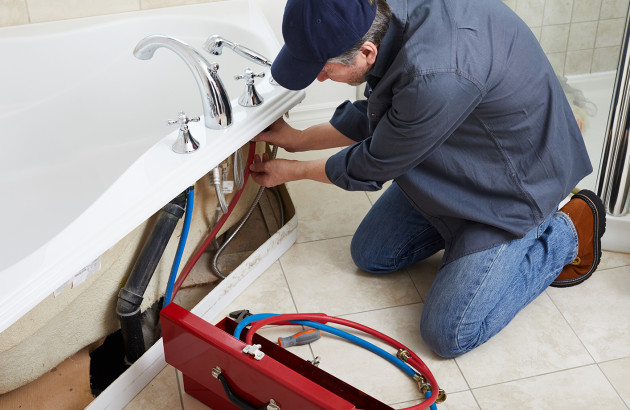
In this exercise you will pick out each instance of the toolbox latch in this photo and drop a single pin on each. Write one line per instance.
(254, 350)
(272, 405)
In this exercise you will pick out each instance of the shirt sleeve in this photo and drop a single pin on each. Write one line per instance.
(423, 113)
(351, 119)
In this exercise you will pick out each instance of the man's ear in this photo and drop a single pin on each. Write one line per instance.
(369, 50)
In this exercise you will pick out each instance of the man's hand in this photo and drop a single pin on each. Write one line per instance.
(282, 135)
(271, 172)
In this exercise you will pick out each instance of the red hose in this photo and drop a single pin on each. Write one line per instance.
(413, 360)
(195, 257)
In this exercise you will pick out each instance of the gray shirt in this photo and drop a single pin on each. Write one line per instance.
(466, 114)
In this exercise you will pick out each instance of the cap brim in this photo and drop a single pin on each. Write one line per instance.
(292, 73)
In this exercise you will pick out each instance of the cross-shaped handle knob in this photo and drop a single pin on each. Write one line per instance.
(182, 120)
(249, 76)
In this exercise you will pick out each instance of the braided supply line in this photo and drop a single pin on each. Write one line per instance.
(213, 233)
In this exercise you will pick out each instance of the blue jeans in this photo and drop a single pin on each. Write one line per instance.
(475, 296)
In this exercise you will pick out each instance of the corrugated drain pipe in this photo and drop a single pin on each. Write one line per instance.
(131, 295)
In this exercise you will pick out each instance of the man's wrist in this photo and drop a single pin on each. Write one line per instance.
(313, 170)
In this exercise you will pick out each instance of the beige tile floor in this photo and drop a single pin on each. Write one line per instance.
(570, 349)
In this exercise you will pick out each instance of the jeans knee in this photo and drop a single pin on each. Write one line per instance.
(442, 346)
(366, 259)
(442, 336)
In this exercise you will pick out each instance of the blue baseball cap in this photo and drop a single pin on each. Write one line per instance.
(315, 31)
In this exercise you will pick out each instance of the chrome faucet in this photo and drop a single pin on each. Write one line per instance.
(217, 110)
(214, 45)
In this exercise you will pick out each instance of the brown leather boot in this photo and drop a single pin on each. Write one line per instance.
(587, 212)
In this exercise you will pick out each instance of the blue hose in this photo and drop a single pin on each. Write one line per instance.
(348, 336)
(190, 199)
(426, 397)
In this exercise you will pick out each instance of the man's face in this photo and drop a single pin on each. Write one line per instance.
(349, 74)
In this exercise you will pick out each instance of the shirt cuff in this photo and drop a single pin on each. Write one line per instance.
(351, 120)
(337, 173)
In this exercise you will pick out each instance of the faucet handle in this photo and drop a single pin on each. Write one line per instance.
(185, 142)
(251, 97)
(182, 120)
(249, 76)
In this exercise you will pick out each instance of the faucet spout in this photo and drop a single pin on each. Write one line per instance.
(217, 110)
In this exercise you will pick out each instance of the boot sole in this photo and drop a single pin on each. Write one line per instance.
(599, 228)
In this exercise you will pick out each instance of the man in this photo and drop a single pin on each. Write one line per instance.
(466, 116)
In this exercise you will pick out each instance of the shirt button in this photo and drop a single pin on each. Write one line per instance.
(373, 114)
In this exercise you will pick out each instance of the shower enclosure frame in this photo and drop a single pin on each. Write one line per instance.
(613, 179)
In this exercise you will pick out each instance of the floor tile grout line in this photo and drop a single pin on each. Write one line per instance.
(323, 239)
(466, 381)
(284, 275)
(613, 360)
(369, 199)
(475, 397)
(534, 376)
(380, 309)
(364, 311)
(414, 284)
(612, 267)
(448, 393)
(570, 326)
(612, 384)
(368, 311)
(463, 376)
(293, 300)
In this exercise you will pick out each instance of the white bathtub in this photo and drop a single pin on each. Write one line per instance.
(86, 154)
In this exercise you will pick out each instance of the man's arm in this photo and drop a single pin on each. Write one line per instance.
(317, 137)
(268, 172)
(271, 172)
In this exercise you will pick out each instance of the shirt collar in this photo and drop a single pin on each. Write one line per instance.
(391, 43)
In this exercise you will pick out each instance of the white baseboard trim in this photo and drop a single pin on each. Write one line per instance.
(152, 362)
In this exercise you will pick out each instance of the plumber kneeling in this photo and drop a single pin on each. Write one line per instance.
(464, 113)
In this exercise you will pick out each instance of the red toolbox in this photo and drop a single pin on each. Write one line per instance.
(218, 373)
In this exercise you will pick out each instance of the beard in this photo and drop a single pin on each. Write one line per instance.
(356, 81)
(357, 76)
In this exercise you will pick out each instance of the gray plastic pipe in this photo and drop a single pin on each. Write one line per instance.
(131, 295)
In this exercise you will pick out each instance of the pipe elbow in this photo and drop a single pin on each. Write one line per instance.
(128, 304)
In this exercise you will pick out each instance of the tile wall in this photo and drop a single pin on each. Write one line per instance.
(579, 36)
(13, 12)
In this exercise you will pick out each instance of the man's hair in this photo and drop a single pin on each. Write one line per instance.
(375, 34)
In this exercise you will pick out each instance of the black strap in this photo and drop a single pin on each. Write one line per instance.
(236, 400)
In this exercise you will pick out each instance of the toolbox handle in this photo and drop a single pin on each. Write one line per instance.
(235, 399)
